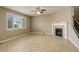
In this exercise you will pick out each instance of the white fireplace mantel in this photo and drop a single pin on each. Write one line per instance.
(62, 25)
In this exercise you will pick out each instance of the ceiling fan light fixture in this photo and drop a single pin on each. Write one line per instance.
(38, 12)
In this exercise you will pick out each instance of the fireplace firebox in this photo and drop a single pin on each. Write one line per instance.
(58, 32)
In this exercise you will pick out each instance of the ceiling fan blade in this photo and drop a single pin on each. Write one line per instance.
(43, 10)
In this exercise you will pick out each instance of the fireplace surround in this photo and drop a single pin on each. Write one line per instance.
(60, 29)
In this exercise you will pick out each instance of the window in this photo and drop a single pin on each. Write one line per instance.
(15, 21)
(10, 21)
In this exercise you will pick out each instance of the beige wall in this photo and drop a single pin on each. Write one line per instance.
(63, 16)
(41, 24)
(44, 23)
(4, 33)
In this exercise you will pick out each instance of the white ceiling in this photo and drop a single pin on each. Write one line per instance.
(28, 9)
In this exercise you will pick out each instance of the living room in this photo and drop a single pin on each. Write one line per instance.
(38, 28)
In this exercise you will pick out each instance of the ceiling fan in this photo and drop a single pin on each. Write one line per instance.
(39, 10)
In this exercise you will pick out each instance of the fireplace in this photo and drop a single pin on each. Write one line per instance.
(58, 32)
(59, 29)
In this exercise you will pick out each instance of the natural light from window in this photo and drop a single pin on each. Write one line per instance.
(15, 21)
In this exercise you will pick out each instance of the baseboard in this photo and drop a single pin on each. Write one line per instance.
(13, 38)
(76, 45)
(42, 33)
(49, 33)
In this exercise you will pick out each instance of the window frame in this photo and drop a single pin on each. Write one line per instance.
(13, 28)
